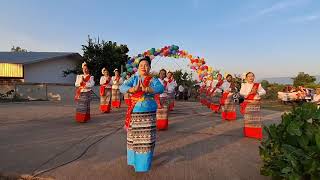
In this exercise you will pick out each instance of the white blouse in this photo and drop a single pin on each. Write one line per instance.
(171, 86)
(246, 89)
(164, 94)
(209, 82)
(116, 84)
(226, 86)
(213, 86)
(88, 85)
(103, 80)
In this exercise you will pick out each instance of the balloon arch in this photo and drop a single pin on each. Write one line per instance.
(196, 63)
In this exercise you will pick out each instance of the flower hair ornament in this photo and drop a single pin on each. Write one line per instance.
(227, 74)
(103, 70)
(84, 64)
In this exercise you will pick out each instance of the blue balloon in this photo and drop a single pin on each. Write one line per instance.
(124, 74)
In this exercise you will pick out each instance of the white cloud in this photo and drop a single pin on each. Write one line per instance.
(279, 6)
(274, 8)
(305, 19)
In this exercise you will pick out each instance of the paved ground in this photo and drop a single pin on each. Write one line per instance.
(39, 136)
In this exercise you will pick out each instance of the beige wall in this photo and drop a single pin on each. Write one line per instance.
(50, 71)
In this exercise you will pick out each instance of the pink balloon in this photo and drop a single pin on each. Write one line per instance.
(135, 69)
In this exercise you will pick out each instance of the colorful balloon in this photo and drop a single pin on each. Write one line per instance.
(196, 63)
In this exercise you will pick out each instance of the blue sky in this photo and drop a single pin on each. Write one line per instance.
(270, 37)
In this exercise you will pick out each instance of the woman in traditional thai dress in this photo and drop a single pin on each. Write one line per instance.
(228, 106)
(162, 101)
(141, 119)
(208, 92)
(171, 85)
(216, 93)
(105, 91)
(126, 96)
(201, 93)
(116, 95)
(84, 83)
(250, 108)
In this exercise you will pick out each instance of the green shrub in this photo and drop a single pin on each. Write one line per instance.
(292, 148)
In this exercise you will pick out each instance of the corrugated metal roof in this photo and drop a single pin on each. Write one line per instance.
(32, 57)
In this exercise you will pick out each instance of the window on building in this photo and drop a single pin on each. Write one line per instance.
(8, 70)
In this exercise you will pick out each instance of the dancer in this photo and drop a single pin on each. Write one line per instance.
(141, 119)
(84, 83)
(105, 91)
(216, 94)
(127, 95)
(116, 82)
(202, 93)
(172, 84)
(162, 101)
(250, 108)
(209, 91)
(228, 106)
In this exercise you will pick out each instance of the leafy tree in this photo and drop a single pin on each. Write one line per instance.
(102, 54)
(265, 84)
(291, 149)
(183, 78)
(303, 79)
(272, 91)
(18, 49)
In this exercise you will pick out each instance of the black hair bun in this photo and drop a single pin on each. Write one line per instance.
(146, 58)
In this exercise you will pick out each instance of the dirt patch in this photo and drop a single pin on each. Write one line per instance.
(21, 177)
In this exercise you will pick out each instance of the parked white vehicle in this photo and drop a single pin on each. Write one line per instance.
(285, 97)
(296, 96)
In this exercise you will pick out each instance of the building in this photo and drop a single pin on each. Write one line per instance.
(38, 67)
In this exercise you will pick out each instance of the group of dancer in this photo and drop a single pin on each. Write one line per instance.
(149, 100)
(109, 92)
(219, 95)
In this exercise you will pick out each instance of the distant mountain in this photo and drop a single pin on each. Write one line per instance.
(284, 80)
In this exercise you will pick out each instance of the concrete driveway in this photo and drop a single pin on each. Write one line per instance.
(37, 137)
